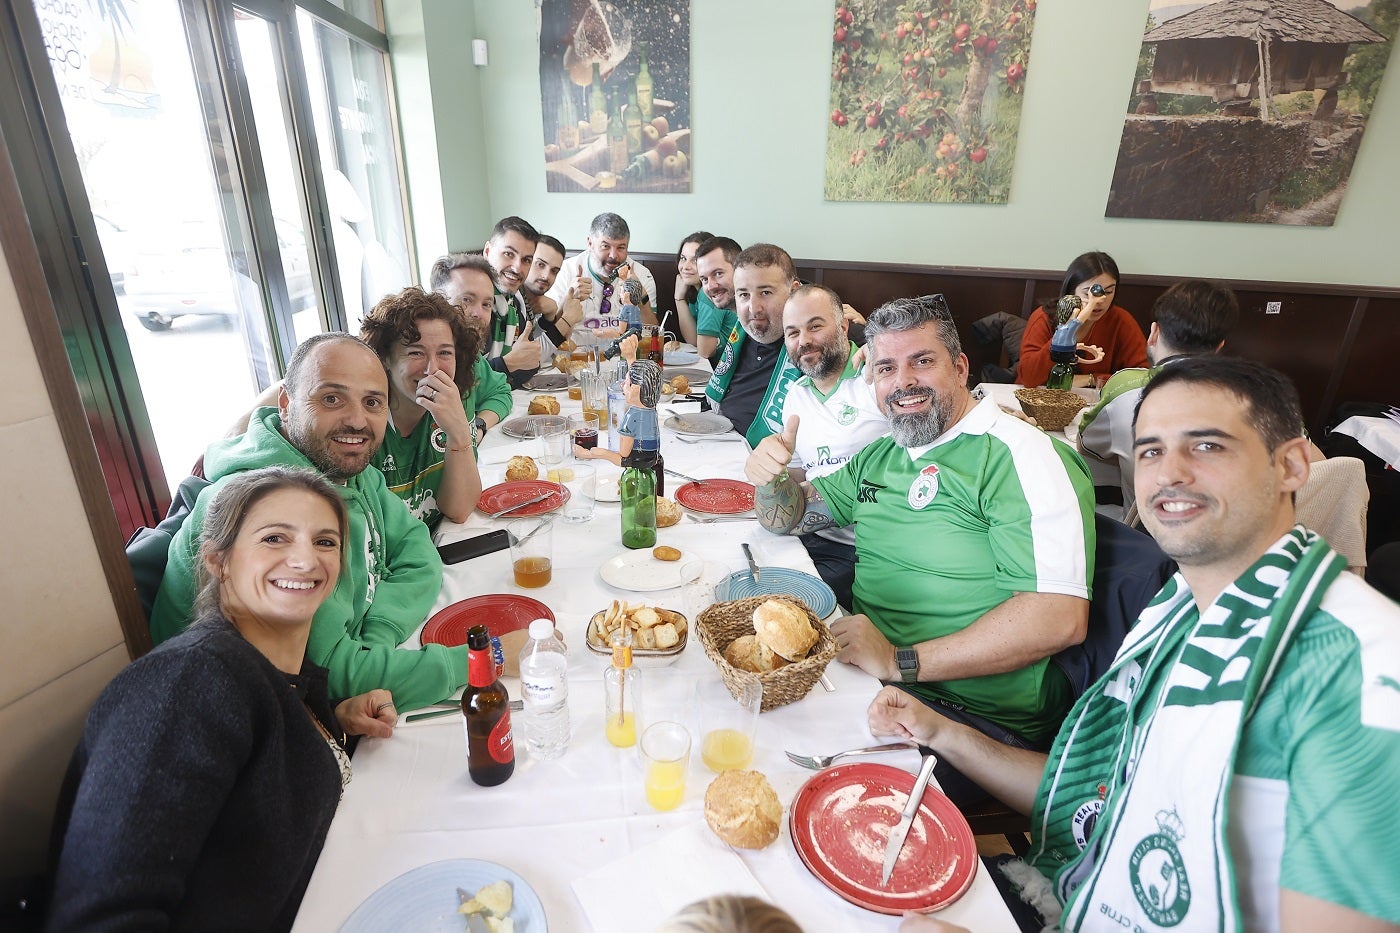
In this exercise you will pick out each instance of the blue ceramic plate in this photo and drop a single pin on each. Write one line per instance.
(425, 899)
(775, 581)
(681, 357)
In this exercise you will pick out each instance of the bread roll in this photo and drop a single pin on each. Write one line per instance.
(743, 809)
(544, 405)
(681, 384)
(747, 653)
(667, 512)
(784, 628)
(522, 468)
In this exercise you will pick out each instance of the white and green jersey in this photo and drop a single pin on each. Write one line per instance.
(1313, 801)
(992, 508)
(834, 428)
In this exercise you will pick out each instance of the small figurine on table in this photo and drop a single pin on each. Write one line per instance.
(639, 433)
(1073, 313)
(630, 295)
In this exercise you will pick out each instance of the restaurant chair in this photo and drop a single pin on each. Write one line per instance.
(1129, 569)
(1333, 503)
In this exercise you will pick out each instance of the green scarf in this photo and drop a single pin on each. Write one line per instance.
(506, 322)
(1131, 817)
(769, 419)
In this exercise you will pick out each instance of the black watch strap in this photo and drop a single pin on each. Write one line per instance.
(479, 423)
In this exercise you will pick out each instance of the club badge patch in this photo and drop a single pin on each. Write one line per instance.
(1082, 825)
(438, 439)
(924, 488)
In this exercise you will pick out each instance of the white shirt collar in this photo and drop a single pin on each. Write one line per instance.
(977, 421)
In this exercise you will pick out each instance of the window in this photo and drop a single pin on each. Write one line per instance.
(190, 150)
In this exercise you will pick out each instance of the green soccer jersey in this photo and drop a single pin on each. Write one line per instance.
(412, 465)
(711, 321)
(944, 533)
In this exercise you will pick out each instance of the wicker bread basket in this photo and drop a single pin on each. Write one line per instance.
(1052, 409)
(722, 623)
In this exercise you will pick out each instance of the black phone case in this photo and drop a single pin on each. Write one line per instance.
(467, 548)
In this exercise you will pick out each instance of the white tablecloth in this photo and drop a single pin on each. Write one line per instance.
(412, 803)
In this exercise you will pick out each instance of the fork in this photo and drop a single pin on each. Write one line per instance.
(817, 762)
(727, 436)
(724, 518)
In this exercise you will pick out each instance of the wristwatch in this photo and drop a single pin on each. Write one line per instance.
(907, 660)
(479, 424)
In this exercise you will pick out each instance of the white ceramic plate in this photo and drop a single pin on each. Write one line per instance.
(607, 488)
(426, 899)
(700, 424)
(639, 572)
(681, 357)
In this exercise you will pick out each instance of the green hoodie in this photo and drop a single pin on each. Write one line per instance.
(388, 582)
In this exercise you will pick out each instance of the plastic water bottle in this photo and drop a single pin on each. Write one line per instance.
(544, 686)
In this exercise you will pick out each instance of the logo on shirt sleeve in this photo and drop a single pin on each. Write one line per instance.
(924, 487)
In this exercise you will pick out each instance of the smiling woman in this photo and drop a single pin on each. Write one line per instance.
(209, 770)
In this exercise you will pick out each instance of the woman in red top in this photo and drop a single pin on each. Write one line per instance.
(1110, 327)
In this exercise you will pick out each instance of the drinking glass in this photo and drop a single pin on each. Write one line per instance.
(553, 440)
(728, 723)
(583, 430)
(532, 550)
(594, 389)
(579, 508)
(665, 758)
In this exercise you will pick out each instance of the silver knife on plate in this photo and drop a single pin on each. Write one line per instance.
(906, 819)
(521, 505)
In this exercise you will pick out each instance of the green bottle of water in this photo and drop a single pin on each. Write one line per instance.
(638, 493)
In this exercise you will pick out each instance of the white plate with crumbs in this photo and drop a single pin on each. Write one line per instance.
(640, 572)
(426, 899)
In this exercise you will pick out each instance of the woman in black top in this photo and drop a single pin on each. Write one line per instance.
(209, 770)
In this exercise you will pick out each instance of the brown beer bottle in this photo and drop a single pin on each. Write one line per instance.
(486, 713)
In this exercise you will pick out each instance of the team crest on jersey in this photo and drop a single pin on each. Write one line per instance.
(389, 465)
(1158, 872)
(924, 487)
(1082, 824)
(847, 415)
(439, 440)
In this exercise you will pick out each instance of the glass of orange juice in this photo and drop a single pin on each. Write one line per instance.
(728, 722)
(665, 760)
(532, 551)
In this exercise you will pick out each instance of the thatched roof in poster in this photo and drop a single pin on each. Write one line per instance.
(1280, 20)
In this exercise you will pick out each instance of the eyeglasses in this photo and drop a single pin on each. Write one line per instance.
(935, 303)
(605, 305)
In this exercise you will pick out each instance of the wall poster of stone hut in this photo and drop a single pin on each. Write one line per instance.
(1250, 111)
(615, 95)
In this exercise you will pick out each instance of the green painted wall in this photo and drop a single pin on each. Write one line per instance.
(760, 99)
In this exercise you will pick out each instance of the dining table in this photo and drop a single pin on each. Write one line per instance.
(578, 828)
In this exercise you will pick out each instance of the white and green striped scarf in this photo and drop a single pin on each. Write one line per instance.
(1131, 817)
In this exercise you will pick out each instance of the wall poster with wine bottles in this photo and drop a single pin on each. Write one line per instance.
(615, 95)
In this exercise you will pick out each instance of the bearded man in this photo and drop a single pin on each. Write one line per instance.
(974, 540)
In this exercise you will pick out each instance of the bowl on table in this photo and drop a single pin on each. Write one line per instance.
(598, 638)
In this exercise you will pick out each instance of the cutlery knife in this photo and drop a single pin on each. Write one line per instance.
(689, 479)
(753, 565)
(515, 706)
(901, 829)
(520, 505)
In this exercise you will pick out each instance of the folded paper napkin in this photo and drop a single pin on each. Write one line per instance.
(502, 454)
(1381, 436)
(642, 890)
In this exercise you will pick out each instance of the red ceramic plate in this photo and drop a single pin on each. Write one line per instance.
(504, 495)
(501, 613)
(717, 496)
(841, 820)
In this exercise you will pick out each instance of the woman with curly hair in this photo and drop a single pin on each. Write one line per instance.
(429, 351)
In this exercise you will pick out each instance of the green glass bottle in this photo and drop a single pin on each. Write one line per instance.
(568, 119)
(617, 140)
(1062, 373)
(646, 88)
(597, 105)
(638, 494)
(633, 123)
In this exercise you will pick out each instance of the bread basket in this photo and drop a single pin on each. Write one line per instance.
(721, 623)
(1052, 409)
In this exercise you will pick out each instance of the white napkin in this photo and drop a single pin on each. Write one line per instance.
(529, 447)
(642, 890)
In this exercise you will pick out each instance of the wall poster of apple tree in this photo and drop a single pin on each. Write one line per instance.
(926, 99)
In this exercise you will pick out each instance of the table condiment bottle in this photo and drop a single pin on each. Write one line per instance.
(486, 713)
(1062, 373)
(1063, 346)
(638, 494)
(622, 693)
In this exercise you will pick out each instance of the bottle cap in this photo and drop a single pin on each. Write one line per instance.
(540, 629)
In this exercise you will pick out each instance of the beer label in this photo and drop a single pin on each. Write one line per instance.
(500, 743)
